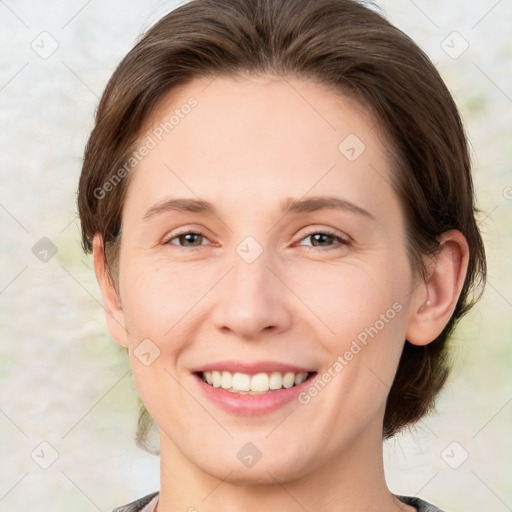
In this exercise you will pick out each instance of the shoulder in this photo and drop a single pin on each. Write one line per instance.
(145, 504)
(421, 506)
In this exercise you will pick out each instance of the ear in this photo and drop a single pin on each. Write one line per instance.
(114, 314)
(436, 298)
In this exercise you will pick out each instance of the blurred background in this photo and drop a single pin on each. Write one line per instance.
(68, 405)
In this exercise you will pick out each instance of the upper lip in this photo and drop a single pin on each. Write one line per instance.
(252, 367)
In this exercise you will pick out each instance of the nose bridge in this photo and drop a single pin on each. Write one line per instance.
(250, 275)
(250, 299)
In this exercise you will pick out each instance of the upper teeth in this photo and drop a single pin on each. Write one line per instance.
(259, 383)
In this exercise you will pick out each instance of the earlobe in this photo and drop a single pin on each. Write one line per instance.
(114, 314)
(435, 300)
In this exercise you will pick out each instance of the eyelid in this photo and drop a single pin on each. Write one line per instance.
(167, 239)
(344, 240)
(328, 231)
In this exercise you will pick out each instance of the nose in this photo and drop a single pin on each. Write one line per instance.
(251, 302)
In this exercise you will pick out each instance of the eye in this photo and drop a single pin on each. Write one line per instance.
(319, 239)
(324, 238)
(190, 239)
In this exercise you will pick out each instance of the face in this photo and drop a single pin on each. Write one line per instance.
(262, 244)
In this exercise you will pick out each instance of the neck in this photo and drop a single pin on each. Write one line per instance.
(351, 480)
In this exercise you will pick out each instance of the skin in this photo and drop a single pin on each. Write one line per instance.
(247, 146)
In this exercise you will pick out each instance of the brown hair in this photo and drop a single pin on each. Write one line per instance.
(350, 49)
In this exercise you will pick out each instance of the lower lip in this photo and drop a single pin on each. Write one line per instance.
(252, 405)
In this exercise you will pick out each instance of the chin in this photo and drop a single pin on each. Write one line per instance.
(266, 470)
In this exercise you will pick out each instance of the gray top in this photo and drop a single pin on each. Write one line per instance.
(149, 502)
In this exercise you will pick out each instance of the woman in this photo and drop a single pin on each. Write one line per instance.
(278, 198)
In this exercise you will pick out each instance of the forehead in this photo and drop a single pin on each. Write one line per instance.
(256, 139)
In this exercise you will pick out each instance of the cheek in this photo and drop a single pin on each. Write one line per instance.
(160, 298)
(359, 314)
(351, 300)
(362, 317)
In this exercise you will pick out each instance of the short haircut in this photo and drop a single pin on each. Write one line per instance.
(353, 51)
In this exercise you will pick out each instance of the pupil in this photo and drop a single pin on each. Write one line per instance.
(324, 236)
(189, 238)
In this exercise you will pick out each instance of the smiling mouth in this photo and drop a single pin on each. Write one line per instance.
(255, 384)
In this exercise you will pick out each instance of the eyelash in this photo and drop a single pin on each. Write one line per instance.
(342, 241)
(327, 232)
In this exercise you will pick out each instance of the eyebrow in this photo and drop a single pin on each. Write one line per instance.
(181, 205)
(289, 205)
(315, 203)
